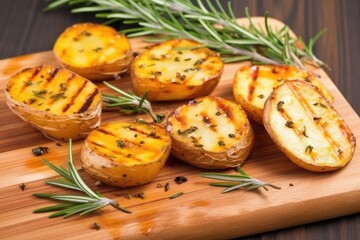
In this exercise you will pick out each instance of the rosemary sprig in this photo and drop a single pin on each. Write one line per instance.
(205, 22)
(73, 204)
(242, 178)
(130, 103)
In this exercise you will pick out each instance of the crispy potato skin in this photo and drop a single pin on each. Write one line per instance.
(253, 85)
(170, 74)
(61, 104)
(94, 51)
(307, 128)
(126, 154)
(210, 133)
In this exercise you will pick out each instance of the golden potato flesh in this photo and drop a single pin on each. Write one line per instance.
(306, 127)
(176, 69)
(253, 85)
(126, 154)
(61, 104)
(211, 133)
(94, 51)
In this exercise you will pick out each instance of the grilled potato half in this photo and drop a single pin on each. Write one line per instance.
(306, 127)
(253, 85)
(210, 133)
(59, 103)
(175, 70)
(126, 154)
(94, 51)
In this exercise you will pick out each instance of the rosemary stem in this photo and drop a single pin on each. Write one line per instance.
(209, 23)
(254, 55)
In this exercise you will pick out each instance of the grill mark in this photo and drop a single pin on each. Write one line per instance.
(130, 143)
(226, 109)
(209, 122)
(106, 132)
(180, 117)
(147, 134)
(88, 101)
(287, 117)
(34, 74)
(96, 144)
(112, 152)
(143, 146)
(345, 132)
(52, 75)
(72, 100)
(305, 105)
(72, 75)
(254, 76)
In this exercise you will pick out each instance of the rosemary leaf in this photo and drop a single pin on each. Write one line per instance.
(64, 184)
(53, 208)
(73, 204)
(243, 179)
(237, 186)
(222, 184)
(74, 199)
(176, 195)
(43, 195)
(130, 103)
(59, 170)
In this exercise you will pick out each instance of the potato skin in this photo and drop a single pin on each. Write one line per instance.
(222, 136)
(307, 129)
(125, 154)
(61, 104)
(94, 51)
(253, 85)
(169, 74)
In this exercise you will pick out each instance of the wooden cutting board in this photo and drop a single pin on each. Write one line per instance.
(202, 212)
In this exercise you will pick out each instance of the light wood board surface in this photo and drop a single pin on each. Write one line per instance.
(201, 213)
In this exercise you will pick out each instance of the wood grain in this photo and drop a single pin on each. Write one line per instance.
(201, 213)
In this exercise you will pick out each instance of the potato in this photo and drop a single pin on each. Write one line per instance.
(94, 51)
(126, 154)
(210, 133)
(253, 85)
(175, 70)
(306, 127)
(59, 103)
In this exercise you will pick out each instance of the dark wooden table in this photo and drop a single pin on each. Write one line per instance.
(26, 28)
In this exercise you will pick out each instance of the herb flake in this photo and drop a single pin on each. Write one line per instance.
(176, 195)
(280, 105)
(187, 131)
(22, 186)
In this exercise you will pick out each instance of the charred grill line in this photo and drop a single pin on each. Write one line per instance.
(147, 134)
(52, 75)
(127, 143)
(107, 132)
(67, 106)
(72, 75)
(311, 114)
(225, 109)
(112, 153)
(35, 73)
(252, 86)
(88, 101)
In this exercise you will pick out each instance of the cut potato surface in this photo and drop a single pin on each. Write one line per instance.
(253, 85)
(94, 51)
(305, 126)
(126, 154)
(211, 133)
(176, 69)
(58, 102)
